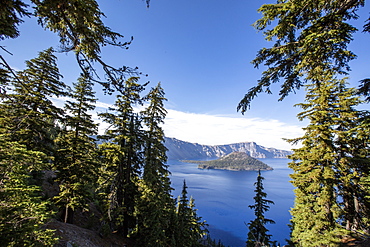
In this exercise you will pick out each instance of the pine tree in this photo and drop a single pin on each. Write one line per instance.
(352, 160)
(80, 29)
(189, 229)
(12, 12)
(257, 235)
(22, 212)
(327, 168)
(311, 41)
(33, 116)
(209, 242)
(122, 155)
(315, 210)
(309, 37)
(156, 206)
(27, 126)
(77, 160)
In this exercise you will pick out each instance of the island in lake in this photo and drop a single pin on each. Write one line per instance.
(236, 161)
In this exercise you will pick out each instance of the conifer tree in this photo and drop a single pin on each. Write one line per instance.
(257, 235)
(311, 41)
(308, 37)
(189, 229)
(209, 242)
(80, 28)
(156, 206)
(33, 116)
(352, 160)
(122, 154)
(22, 212)
(327, 168)
(28, 127)
(12, 12)
(315, 210)
(76, 159)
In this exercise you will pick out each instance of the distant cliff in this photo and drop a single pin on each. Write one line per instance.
(180, 150)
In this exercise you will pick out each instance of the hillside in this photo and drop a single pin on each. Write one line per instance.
(181, 150)
(236, 161)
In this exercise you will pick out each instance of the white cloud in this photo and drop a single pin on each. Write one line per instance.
(59, 101)
(217, 130)
(100, 104)
(214, 129)
(100, 107)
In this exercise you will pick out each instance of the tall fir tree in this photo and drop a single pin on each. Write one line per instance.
(123, 158)
(33, 116)
(156, 206)
(77, 158)
(27, 126)
(257, 235)
(327, 169)
(190, 230)
(362, 133)
(311, 41)
(315, 210)
(352, 160)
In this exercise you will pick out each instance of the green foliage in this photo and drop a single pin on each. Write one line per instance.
(27, 127)
(155, 212)
(311, 41)
(155, 151)
(310, 37)
(22, 212)
(76, 159)
(190, 230)
(315, 211)
(123, 158)
(80, 28)
(156, 207)
(209, 242)
(257, 235)
(78, 24)
(326, 167)
(31, 114)
(37, 135)
(12, 12)
(352, 160)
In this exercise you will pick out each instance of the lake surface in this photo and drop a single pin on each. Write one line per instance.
(222, 198)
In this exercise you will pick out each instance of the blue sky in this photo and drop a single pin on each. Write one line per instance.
(200, 50)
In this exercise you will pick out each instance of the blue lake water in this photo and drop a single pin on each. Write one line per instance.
(222, 198)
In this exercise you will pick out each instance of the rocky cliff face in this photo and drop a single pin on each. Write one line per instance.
(179, 150)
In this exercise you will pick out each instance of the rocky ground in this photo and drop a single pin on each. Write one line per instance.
(86, 230)
(71, 235)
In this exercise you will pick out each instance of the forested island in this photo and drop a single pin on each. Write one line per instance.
(236, 161)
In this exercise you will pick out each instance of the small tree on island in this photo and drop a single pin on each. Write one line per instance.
(257, 235)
